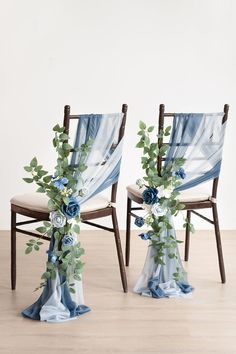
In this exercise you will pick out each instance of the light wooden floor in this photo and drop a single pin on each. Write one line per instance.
(124, 323)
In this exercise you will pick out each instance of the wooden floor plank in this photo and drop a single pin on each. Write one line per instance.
(118, 322)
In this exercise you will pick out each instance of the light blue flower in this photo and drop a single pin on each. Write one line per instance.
(60, 183)
(58, 219)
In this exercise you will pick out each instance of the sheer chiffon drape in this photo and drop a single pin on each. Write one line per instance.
(56, 303)
(199, 139)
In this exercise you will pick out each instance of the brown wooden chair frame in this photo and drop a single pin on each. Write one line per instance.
(86, 216)
(191, 207)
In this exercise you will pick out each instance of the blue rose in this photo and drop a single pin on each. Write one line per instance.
(145, 236)
(72, 209)
(181, 173)
(150, 196)
(68, 240)
(60, 183)
(139, 221)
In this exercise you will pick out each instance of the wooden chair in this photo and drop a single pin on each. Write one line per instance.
(34, 205)
(192, 198)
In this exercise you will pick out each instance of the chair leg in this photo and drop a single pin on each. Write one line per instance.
(187, 237)
(119, 251)
(218, 243)
(13, 250)
(127, 245)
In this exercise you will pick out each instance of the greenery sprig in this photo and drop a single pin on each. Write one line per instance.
(61, 190)
(160, 197)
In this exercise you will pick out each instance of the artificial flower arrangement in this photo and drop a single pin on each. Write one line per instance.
(160, 199)
(64, 224)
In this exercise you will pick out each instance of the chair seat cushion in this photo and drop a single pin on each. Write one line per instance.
(189, 195)
(39, 202)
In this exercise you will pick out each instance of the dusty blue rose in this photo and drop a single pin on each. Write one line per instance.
(139, 221)
(72, 209)
(68, 240)
(145, 236)
(150, 196)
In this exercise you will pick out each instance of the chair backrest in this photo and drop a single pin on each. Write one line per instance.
(161, 126)
(66, 123)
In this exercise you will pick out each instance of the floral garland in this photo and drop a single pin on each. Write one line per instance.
(160, 199)
(64, 224)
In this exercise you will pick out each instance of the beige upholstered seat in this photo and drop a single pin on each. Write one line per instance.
(38, 202)
(190, 195)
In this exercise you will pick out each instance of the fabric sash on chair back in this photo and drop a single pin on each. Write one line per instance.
(199, 139)
(56, 303)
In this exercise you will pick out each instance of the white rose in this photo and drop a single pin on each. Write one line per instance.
(84, 191)
(157, 210)
(58, 220)
(164, 192)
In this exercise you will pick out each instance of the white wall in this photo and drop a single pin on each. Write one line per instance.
(96, 55)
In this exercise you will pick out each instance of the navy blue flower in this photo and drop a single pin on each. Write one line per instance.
(139, 221)
(72, 209)
(68, 240)
(51, 257)
(145, 236)
(181, 173)
(150, 196)
(60, 183)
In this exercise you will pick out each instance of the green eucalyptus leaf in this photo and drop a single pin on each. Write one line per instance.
(47, 179)
(28, 250)
(33, 162)
(51, 204)
(140, 144)
(167, 130)
(46, 275)
(41, 229)
(57, 128)
(28, 168)
(76, 228)
(28, 180)
(47, 223)
(142, 125)
(63, 136)
(150, 129)
(67, 146)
